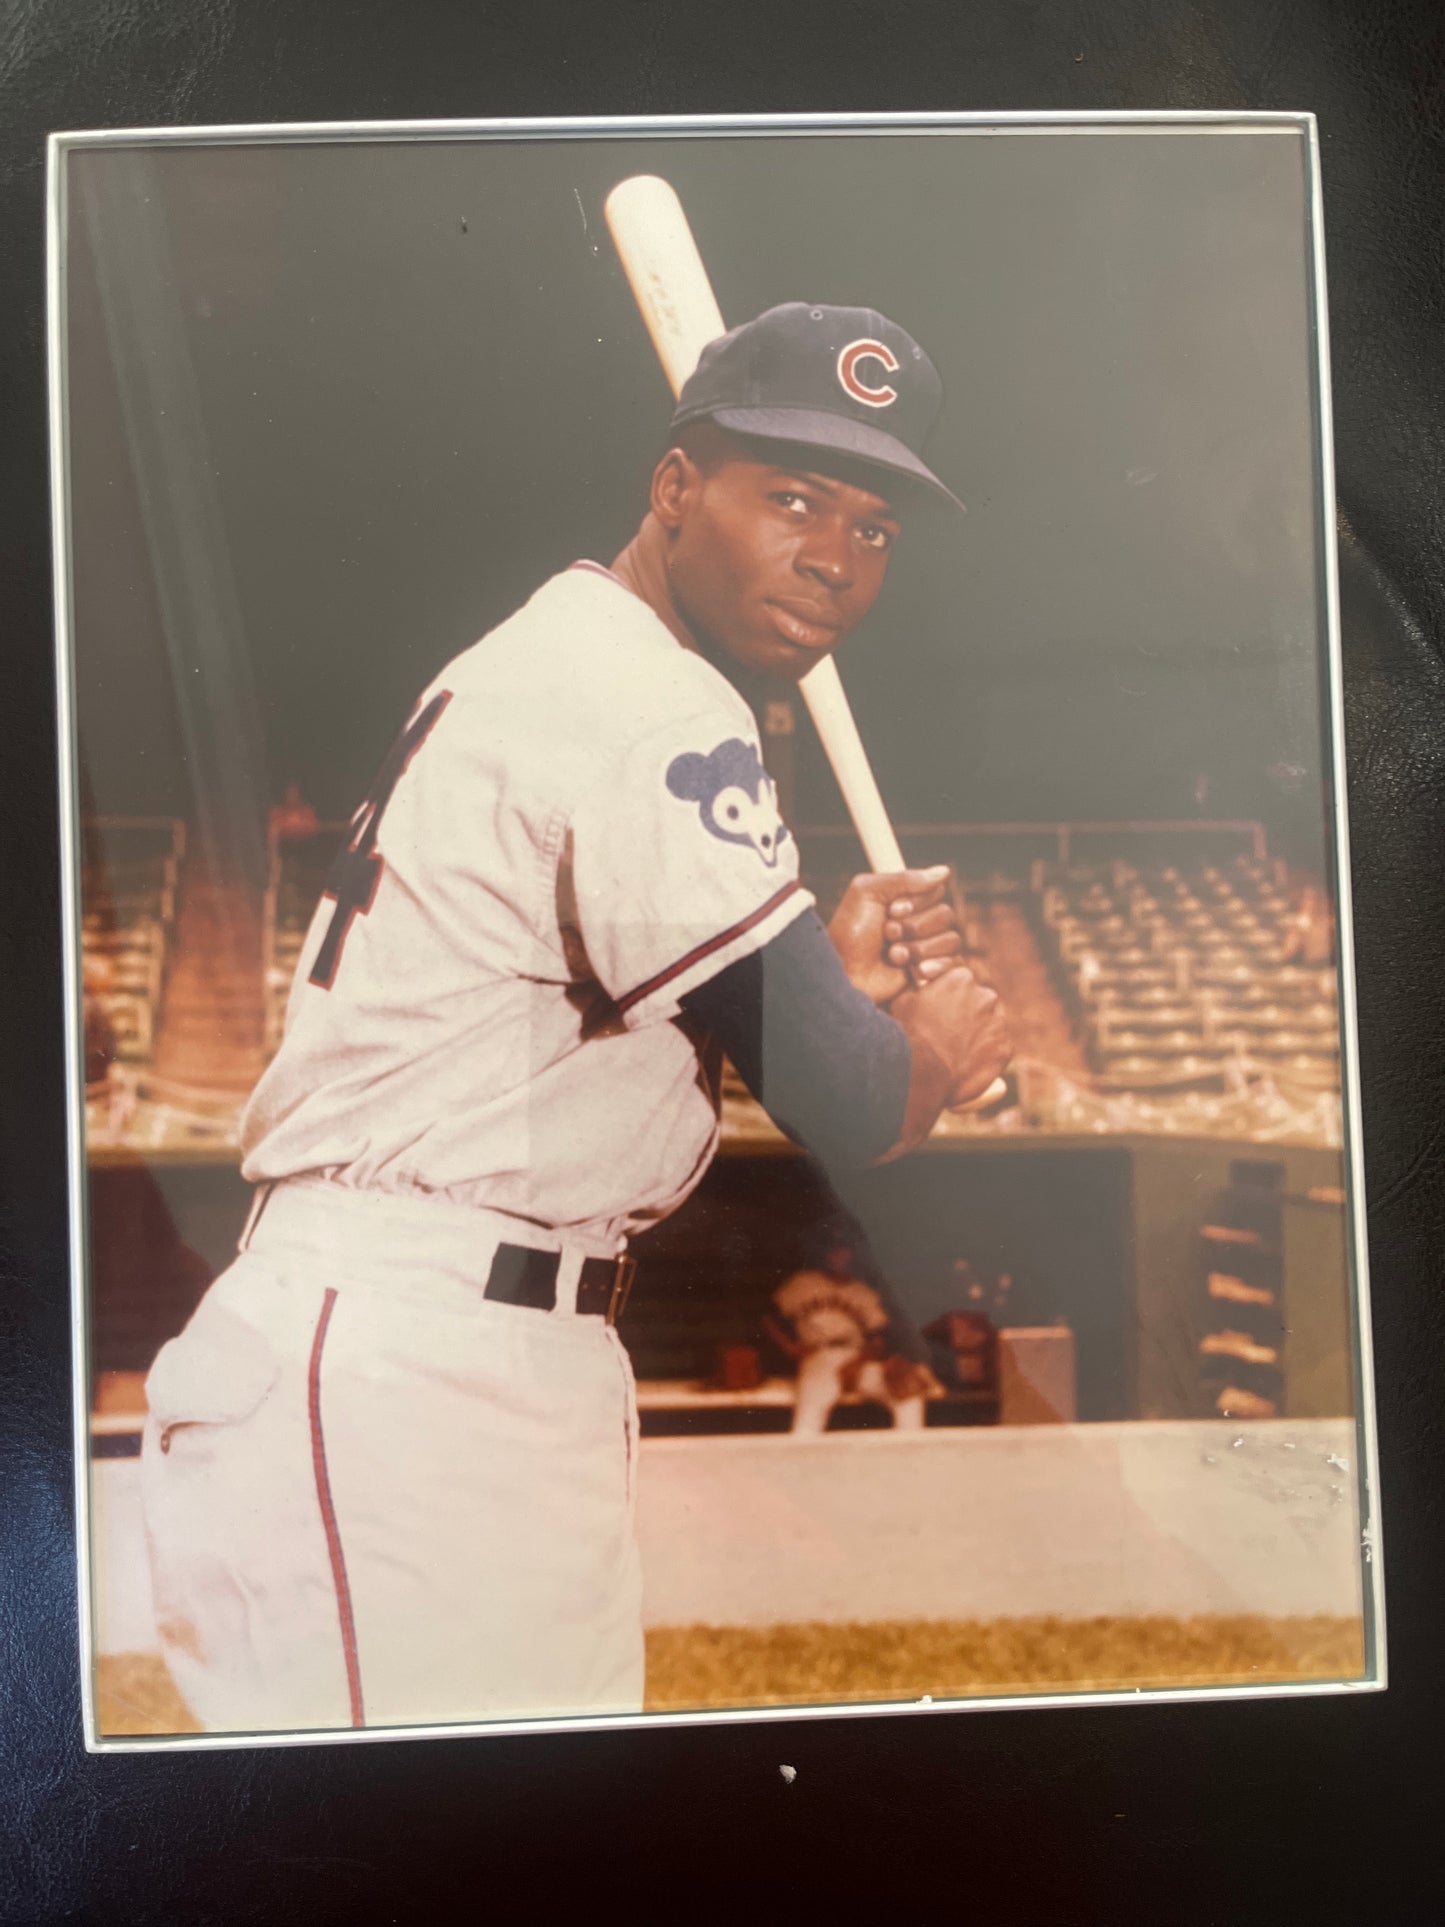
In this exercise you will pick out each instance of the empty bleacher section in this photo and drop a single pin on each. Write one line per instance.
(296, 876)
(172, 991)
(130, 873)
(1160, 978)
(1184, 975)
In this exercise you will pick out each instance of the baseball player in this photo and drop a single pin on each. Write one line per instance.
(390, 1465)
(838, 1328)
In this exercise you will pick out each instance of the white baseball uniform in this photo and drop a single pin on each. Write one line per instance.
(376, 1494)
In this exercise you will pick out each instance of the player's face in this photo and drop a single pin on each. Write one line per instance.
(773, 564)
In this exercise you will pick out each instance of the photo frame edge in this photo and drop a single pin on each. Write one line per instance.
(59, 145)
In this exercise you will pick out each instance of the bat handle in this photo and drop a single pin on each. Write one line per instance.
(985, 1101)
(998, 1088)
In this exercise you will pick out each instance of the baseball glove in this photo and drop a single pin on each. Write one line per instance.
(905, 1378)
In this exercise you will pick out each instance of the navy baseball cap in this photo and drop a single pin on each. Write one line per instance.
(844, 379)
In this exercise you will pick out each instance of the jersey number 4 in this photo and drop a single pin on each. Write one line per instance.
(356, 873)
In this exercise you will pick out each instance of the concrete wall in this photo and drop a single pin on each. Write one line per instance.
(1002, 1521)
(986, 1522)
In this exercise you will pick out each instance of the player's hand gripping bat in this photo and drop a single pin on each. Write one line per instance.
(671, 286)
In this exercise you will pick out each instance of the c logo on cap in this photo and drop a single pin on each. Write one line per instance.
(854, 385)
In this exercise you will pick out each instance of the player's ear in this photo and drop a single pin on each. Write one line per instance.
(675, 482)
(689, 776)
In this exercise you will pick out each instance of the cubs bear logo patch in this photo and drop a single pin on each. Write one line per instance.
(736, 798)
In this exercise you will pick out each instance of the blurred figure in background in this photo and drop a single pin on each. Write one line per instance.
(1311, 938)
(839, 1330)
(293, 815)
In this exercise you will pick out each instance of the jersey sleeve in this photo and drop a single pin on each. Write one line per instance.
(680, 865)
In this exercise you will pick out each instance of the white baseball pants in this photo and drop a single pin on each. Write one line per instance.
(375, 1497)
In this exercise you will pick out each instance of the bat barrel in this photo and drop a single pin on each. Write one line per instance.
(665, 272)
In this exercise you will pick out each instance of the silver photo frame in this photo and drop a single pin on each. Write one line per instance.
(1134, 1453)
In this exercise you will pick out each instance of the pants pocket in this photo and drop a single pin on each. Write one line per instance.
(204, 1496)
(217, 1372)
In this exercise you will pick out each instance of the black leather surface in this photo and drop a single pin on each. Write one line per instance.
(1314, 1810)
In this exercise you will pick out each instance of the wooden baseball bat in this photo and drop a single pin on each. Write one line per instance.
(665, 271)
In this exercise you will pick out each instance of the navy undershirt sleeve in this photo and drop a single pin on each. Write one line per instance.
(829, 1067)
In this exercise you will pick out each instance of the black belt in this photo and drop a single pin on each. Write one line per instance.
(521, 1275)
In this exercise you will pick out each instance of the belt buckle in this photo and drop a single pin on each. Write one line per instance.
(621, 1286)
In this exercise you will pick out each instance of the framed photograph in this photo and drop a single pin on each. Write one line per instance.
(711, 1023)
